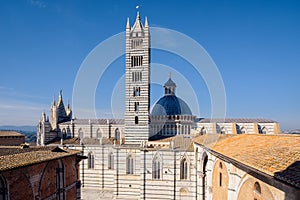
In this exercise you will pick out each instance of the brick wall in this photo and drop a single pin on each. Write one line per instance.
(39, 181)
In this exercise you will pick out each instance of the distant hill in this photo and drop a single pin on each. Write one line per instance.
(28, 131)
(296, 131)
(18, 128)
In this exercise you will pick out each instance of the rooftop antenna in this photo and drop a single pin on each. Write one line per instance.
(170, 74)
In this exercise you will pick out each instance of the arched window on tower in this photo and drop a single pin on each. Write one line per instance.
(136, 106)
(90, 161)
(136, 91)
(184, 169)
(129, 165)
(3, 189)
(136, 120)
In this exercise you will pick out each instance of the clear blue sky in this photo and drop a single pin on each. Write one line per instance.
(255, 44)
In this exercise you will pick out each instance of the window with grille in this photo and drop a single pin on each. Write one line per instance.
(136, 61)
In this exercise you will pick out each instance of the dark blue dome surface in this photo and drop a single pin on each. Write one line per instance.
(170, 105)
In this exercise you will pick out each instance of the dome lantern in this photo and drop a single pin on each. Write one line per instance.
(170, 87)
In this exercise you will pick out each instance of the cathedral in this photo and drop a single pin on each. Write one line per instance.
(169, 153)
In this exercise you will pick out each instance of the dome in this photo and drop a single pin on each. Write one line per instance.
(170, 105)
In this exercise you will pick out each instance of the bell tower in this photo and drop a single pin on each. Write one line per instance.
(137, 99)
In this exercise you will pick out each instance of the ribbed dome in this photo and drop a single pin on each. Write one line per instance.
(170, 105)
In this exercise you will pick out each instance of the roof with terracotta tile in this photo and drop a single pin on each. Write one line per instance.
(14, 157)
(10, 133)
(275, 155)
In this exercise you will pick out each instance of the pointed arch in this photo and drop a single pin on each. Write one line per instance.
(90, 160)
(184, 168)
(117, 134)
(157, 166)
(129, 164)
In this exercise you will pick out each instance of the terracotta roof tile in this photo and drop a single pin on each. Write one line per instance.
(275, 155)
(13, 157)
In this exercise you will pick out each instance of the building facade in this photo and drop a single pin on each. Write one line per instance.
(156, 155)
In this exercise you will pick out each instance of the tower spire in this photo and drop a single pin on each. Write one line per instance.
(146, 22)
(127, 24)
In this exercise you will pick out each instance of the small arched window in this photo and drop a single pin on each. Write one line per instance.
(184, 169)
(90, 161)
(257, 188)
(110, 160)
(136, 120)
(129, 165)
(99, 133)
(117, 134)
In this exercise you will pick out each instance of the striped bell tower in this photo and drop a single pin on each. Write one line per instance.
(137, 82)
